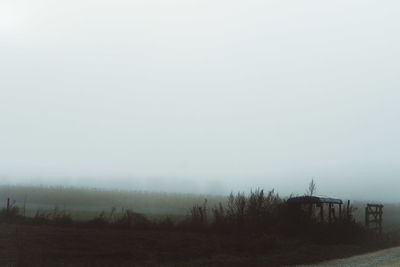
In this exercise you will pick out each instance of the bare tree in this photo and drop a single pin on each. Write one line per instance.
(312, 188)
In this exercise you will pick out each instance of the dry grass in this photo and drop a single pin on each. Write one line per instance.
(24, 245)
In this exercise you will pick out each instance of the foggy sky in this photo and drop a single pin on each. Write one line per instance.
(201, 95)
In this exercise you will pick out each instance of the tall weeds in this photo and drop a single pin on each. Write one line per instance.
(198, 215)
(256, 211)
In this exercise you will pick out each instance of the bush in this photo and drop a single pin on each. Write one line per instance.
(42, 217)
(219, 217)
(99, 221)
(198, 216)
(56, 217)
(261, 210)
(11, 214)
(255, 212)
(130, 219)
(61, 217)
(236, 209)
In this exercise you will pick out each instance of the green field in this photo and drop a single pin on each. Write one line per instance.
(85, 203)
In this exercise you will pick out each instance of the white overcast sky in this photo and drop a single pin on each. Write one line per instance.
(201, 95)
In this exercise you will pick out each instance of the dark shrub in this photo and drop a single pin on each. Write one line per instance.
(130, 219)
(11, 214)
(61, 217)
(100, 221)
(198, 216)
(42, 217)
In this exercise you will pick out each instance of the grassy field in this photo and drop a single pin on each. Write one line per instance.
(24, 245)
(85, 203)
(245, 230)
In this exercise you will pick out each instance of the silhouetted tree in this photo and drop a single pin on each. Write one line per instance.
(312, 188)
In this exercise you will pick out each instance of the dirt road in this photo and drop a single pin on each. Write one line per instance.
(385, 258)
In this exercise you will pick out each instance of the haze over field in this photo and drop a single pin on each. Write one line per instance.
(202, 96)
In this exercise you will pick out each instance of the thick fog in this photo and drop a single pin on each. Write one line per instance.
(202, 96)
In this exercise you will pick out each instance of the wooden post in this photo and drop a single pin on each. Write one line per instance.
(375, 212)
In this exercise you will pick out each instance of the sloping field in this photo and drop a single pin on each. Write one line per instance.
(86, 203)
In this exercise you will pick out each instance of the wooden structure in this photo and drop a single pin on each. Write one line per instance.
(309, 202)
(373, 214)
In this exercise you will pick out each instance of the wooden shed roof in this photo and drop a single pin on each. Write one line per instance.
(314, 200)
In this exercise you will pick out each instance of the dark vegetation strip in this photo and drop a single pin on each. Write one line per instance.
(258, 224)
(255, 212)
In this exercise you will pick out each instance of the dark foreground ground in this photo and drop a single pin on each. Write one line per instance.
(26, 245)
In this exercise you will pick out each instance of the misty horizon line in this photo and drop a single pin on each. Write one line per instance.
(172, 192)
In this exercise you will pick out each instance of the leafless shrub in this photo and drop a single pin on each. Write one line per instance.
(42, 217)
(236, 209)
(61, 217)
(198, 215)
(11, 213)
(219, 215)
(131, 219)
(312, 188)
(54, 217)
